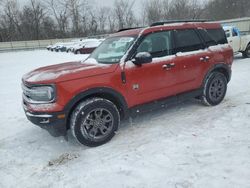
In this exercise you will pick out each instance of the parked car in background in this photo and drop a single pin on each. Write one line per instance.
(54, 47)
(64, 46)
(49, 47)
(60, 48)
(77, 45)
(88, 46)
(239, 43)
(131, 72)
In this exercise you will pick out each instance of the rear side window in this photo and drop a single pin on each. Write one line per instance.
(187, 40)
(207, 38)
(218, 35)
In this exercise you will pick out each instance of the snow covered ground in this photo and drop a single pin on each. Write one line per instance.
(187, 145)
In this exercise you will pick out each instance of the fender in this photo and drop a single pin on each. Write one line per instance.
(103, 92)
(223, 68)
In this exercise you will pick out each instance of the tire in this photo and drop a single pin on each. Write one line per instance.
(94, 122)
(215, 89)
(246, 53)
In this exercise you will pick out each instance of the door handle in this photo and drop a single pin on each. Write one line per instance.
(205, 59)
(168, 66)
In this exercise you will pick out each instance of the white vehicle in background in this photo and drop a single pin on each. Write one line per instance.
(239, 43)
(87, 46)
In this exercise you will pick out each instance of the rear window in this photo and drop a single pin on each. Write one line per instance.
(187, 40)
(218, 35)
(207, 38)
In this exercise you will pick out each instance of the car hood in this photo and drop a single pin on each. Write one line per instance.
(67, 71)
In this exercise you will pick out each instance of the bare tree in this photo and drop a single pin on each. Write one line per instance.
(153, 11)
(93, 25)
(112, 21)
(76, 18)
(226, 9)
(60, 11)
(87, 16)
(102, 17)
(124, 13)
(74, 7)
(179, 9)
(166, 6)
(11, 19)
(38, 12)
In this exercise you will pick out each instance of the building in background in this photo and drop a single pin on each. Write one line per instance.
(243, 24)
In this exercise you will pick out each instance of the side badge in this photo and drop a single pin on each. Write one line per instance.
(135, 86)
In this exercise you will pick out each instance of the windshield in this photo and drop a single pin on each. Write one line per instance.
(112, 50)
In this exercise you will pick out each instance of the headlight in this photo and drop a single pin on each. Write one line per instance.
(39, 94)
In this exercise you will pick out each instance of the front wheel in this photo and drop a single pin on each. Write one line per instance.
(246, 53)
(215, 89)
(94, 122)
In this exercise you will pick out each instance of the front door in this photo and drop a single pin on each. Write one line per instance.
(157, 79)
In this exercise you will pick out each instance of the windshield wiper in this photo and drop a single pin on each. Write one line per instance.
(108, 62)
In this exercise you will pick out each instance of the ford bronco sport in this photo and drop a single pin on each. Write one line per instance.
(131, 71)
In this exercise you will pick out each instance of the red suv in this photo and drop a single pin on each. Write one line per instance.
(131, 71)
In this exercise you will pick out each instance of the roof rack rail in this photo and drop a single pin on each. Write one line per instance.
(175, 21)
(126, 29)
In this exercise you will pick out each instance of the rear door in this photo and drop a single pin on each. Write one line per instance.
(192, 59)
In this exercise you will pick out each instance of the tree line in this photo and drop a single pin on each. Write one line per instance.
(48, 19)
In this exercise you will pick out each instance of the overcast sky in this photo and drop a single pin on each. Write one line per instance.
(137, 7)
(99, 2)
(108, 3)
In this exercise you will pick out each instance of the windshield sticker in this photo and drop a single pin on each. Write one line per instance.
(126, 39)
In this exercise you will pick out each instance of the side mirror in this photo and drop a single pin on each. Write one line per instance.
(142, 58)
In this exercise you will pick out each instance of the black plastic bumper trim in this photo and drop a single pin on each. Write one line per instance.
(49, 121)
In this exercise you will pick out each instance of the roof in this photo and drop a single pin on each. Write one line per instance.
(167, 26)
(130, 32)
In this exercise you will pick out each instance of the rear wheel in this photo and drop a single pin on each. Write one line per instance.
(94, 122)
(215, 89)
(246, 53)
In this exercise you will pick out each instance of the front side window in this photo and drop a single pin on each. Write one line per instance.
(235, 32)
(157, 44)
(112, 50)
(187, 40)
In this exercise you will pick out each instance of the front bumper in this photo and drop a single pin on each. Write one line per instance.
(54, 123)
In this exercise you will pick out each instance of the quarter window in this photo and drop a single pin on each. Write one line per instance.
(157, 44)
(187, 40)
(218, 35)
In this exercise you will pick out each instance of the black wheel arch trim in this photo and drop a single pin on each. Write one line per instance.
(221, 67)
(103, 92)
